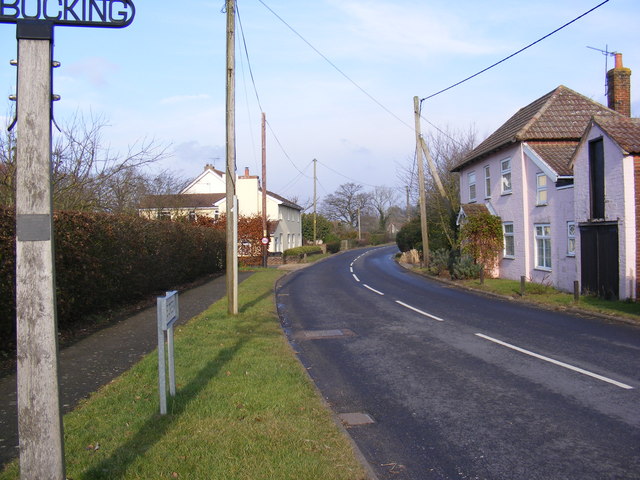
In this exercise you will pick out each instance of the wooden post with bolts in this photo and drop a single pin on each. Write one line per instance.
(39, 416)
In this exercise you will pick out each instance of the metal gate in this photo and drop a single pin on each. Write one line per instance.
(599, 260)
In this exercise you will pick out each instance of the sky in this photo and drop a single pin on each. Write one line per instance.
(351, 106)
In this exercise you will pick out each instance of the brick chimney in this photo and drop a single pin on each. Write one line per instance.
(619, 88)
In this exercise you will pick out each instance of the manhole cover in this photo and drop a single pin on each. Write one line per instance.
(325, 334)
(355, 419)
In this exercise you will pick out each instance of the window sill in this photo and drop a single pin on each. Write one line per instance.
(509, 257)
(541, 204)
(506, 193)
(543, 269)
(571, 255)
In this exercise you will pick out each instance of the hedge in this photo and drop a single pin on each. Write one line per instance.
(306, 249)
(105, 261)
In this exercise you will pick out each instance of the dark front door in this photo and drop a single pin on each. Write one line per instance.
(599, 260)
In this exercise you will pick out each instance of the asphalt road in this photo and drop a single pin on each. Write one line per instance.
(462, 386)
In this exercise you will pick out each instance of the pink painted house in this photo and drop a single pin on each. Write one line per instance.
(531, 173)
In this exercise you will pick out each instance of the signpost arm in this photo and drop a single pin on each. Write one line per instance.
(39, 417)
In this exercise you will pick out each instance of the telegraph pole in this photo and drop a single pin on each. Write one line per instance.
(315, 201)
(265, 233)
(423, 203)
(39, 416)
(408, 205)
(232, 203)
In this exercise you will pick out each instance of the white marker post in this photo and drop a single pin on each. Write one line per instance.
(168, 314)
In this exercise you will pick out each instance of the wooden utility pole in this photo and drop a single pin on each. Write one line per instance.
(39, 417)
(432, 168)
(232, 205)
(423, 201)
(408, 205)
(265, 233)
(315, 201)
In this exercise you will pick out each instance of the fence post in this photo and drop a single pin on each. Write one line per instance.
(523, 282)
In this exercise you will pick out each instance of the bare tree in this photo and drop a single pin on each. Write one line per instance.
(345, 204)
(86, 174)
(382, 199)
(448, 147)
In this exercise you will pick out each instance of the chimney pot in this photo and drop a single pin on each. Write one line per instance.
(246, 171)
(619, 60)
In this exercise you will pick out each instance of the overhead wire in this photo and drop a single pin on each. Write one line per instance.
(255, 89)
(335, 67)
(514, 54)
(345, 176)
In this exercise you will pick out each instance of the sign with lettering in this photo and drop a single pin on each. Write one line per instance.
(168, 309)
(79, 13)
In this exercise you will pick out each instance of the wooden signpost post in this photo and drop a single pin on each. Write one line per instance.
(39, 417)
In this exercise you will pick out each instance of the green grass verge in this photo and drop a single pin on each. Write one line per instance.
(548, 296)
(244, 409)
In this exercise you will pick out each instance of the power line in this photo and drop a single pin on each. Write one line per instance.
(353, 82)
(514, 54)
(342, 175)
(255, 89)
(246, 52)
(290, 184)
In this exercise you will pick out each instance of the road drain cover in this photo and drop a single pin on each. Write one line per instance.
(324, 334)
(355, 419)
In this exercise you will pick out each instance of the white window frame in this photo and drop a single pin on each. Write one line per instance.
(571, 239)
(473, 191)
(542, 189)
(505, 177)
(487, 181)
(506, 235)
(542, 233)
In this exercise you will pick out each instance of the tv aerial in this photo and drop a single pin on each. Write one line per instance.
(606, 54)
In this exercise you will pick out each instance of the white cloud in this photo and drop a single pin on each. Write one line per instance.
(410, 30)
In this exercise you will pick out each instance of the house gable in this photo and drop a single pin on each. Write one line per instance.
(210, 180)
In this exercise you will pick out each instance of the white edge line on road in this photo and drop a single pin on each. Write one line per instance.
(556, 362)
(419, 311)
(355, 276)
(372, 289)
(351, 269)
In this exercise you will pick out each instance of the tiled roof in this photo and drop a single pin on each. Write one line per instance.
(194, 200)
(472, 209)
(624, 130)
(285, 202)
(560, 115)
(558, 155)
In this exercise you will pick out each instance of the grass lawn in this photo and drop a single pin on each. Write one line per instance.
(244, 409)
(548, 296)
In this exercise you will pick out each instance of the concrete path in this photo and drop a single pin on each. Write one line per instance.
(96, 360)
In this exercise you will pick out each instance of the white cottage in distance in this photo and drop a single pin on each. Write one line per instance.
(206, 196)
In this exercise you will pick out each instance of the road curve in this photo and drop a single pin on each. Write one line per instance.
(459, 385)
